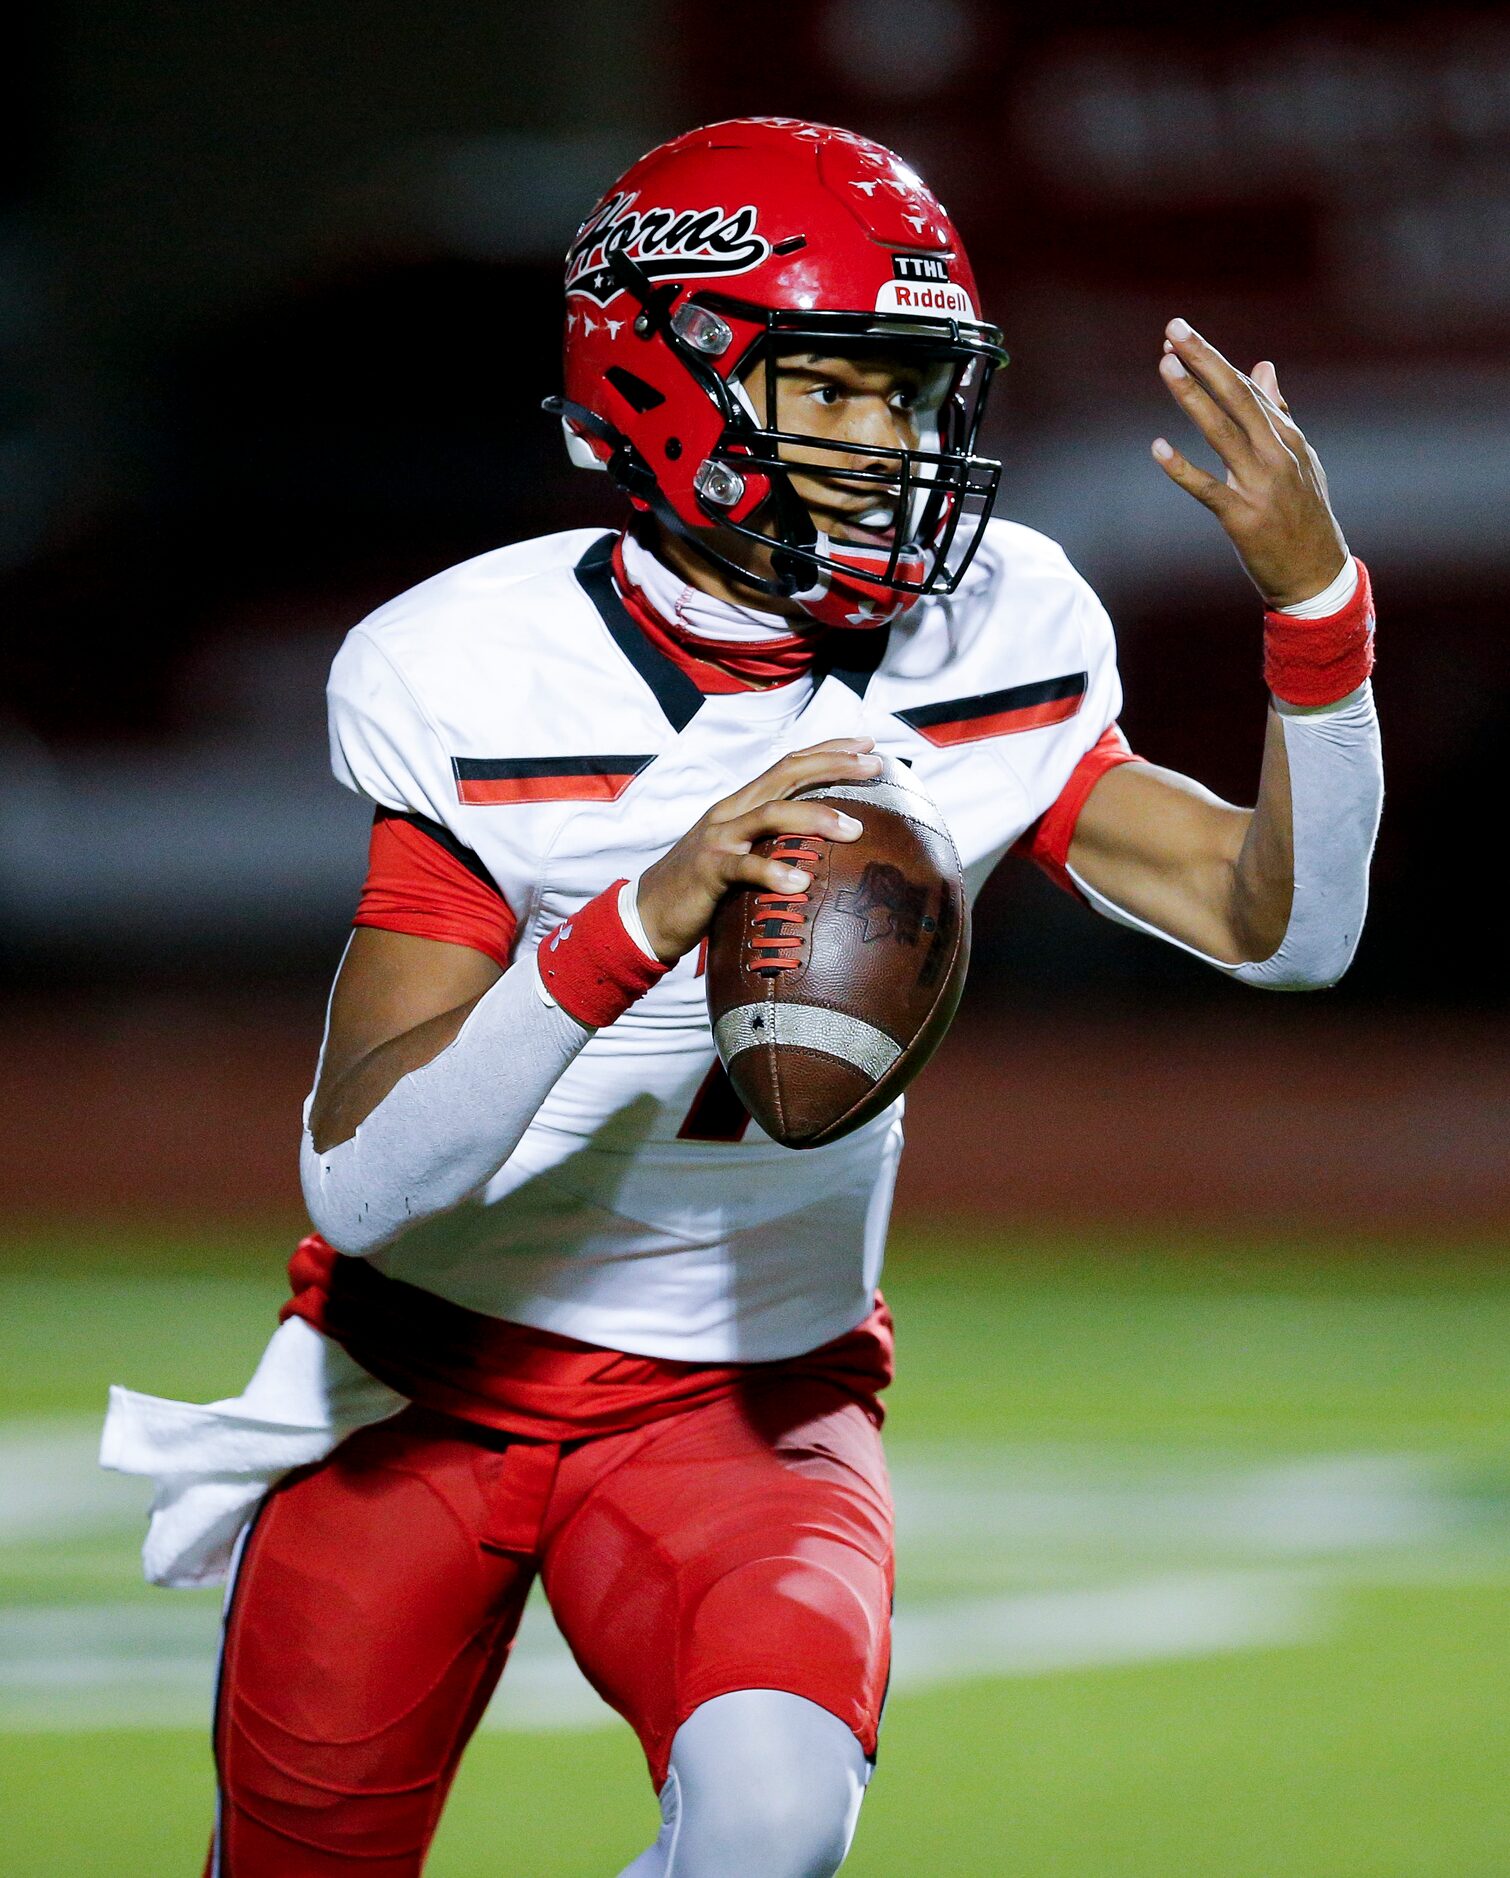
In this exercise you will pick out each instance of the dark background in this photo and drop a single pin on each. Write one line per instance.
(279, 297)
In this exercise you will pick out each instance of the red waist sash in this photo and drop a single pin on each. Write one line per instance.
(534, 1383)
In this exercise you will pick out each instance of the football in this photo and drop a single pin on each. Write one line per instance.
(826, 1004)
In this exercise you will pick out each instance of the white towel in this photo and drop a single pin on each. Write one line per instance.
(210, 1463)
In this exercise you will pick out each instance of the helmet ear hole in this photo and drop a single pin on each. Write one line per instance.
(633, 389)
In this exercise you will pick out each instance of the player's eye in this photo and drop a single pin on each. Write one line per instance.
(826, 394)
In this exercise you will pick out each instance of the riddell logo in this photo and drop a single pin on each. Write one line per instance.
(919, 267)
(934, 299)
(669, 244)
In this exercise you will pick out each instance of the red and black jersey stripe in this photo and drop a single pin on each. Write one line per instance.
(485, 780)
(999, 713)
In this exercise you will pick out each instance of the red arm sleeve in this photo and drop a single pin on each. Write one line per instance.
(421, 880)
(1047, 842)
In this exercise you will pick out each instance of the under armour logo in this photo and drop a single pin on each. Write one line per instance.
(561, 932)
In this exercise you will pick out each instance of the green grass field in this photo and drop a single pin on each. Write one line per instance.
(1204, 1573)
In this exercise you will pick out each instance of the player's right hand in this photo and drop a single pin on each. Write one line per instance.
(678, 894)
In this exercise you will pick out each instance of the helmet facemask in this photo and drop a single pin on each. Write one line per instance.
(936, 495)
(927, 503)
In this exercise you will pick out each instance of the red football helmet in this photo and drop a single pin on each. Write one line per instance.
(746, 241)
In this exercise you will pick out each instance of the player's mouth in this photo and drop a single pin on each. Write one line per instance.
(873, 527)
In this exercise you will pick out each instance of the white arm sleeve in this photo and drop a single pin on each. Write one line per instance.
(447, 1127)
(1336, 794)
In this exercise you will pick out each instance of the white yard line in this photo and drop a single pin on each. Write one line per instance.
(1043, 1633)
(947, 1495)
(114, 1666)
(1031, 1498)
(52, 1487)
(1044, 1560)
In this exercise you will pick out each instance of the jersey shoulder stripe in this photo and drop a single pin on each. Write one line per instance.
(494, 780)
(999, 713)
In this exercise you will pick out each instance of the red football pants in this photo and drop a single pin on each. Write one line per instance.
(743, 1544)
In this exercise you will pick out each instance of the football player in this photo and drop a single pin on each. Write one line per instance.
(568, 1312)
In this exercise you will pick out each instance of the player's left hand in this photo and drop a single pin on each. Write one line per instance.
(1274, 503)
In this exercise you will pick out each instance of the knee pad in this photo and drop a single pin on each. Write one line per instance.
(801, 1625)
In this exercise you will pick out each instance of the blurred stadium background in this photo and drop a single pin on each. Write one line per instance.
(1200, 1442)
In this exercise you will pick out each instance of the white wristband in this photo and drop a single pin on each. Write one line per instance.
(629, 913)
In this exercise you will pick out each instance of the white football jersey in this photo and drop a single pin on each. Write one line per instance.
(514, 701)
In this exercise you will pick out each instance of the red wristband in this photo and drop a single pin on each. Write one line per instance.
(591, 966)
(1311, 662)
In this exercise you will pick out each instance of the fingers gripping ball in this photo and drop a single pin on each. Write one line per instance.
(826, 1003)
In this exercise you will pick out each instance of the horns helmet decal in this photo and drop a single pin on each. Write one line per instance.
(738, 246)
(665, 242)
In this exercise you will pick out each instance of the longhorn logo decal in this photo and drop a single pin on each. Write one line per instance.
(887, 904)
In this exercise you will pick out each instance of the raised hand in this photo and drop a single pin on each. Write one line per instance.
(679, 893)
(1274, 503)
